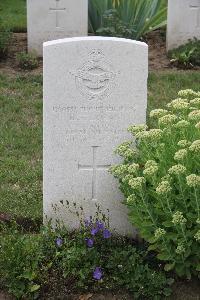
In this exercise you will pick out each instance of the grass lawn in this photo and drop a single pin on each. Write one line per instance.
(13, 14)
(21, 146)
(21, 135)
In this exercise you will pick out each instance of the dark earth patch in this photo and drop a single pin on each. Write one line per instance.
(158, 59)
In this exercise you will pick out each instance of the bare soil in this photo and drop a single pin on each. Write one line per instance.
(182, 290)
(9, 66)
(87, 296)
(158, 59)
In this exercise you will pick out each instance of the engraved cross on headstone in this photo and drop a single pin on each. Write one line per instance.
(57, 10)
(196, 6)
(94, 168)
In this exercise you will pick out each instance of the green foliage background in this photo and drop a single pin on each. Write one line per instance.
(13, 14)
(140, 15)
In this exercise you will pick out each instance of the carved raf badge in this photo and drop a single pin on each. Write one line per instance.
(96, 77)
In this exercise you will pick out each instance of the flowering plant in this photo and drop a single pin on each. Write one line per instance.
(90, 258)
(160, 178)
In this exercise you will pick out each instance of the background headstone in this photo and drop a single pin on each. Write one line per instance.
(49, 20)
(94, 88)
(183, 22)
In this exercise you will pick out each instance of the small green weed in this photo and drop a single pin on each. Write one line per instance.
(186, 56)
(27, 61)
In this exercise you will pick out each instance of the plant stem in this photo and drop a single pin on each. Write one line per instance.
(182, 192)
(195, 193)
(144, 202)
(184, 236)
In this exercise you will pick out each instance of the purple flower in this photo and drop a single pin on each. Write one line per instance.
(94, 230)
(97, 274)
(59, 242)
(100, 225)
(106, 234)
(89, 242)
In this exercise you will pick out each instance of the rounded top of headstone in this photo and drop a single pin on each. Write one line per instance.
(93, 38)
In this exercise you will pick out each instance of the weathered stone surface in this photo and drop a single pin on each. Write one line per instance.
(94, 88)
(183, 22)
(49, 20)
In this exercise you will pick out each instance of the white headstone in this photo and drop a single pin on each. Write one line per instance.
(94, 88)
(183, 22)
(49, 20)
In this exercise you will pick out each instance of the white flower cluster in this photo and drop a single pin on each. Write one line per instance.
(137, 183)
(197, 236)
(131, 199)
(184, 143)
(123, 147)
(178, 218)
(151, 168)
(180, 154)
(196, 102)
(158, 113)
(177, 170)
(152, 135)
(151, 171)
(182, 124)
(159, 233)
(127, 178)
(129, 154)
(137, 128)
(188, 92)
(179, 104)
(180, 248)
(167, 120)
(133, 168)
(194, 115)
(163, 188)
(150, 163)
(125, 151)
(193, 180)
(118, 170)
(195, 147)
